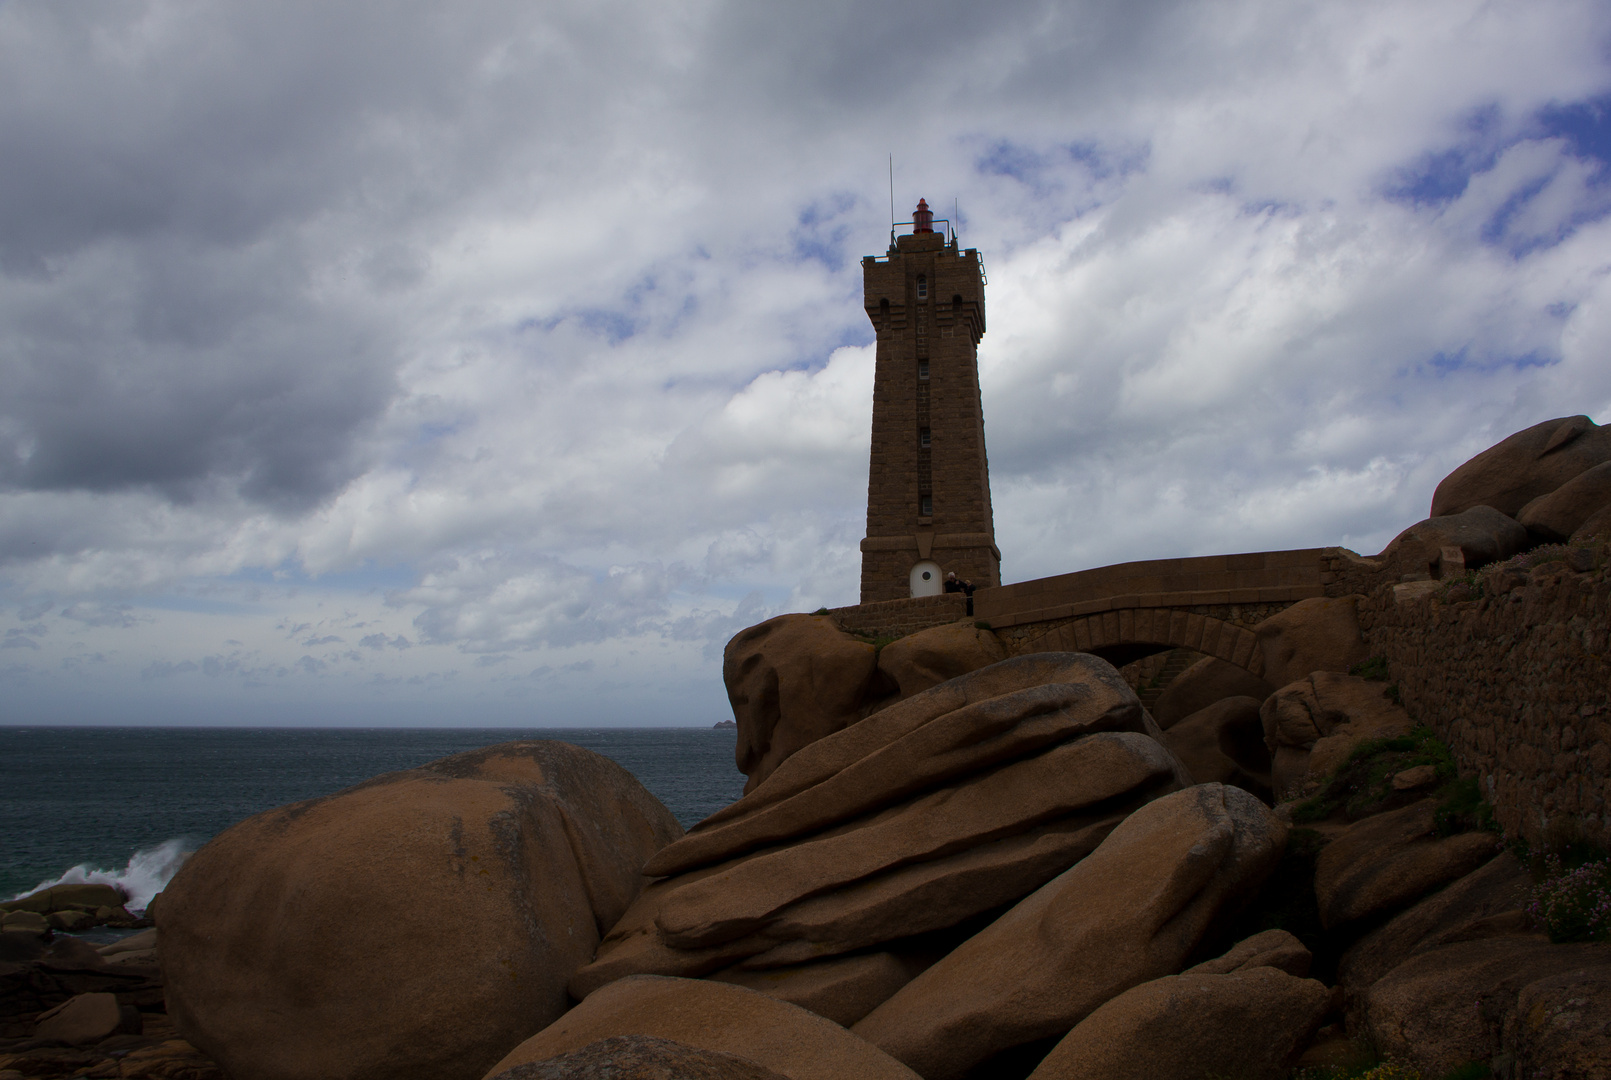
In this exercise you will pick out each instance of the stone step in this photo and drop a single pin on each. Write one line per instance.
(1177, 661)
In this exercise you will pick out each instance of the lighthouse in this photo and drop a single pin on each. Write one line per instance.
(928, 480)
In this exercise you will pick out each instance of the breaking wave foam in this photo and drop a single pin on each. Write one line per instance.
(147, 874)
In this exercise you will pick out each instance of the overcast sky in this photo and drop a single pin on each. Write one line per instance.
(484, 364)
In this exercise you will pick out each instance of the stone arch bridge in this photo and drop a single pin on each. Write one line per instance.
(1128, 611)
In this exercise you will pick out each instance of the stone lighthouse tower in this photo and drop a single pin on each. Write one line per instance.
(928, 484)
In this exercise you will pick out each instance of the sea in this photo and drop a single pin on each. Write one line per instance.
(125, 805)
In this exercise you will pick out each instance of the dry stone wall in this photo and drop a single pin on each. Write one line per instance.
(899, 618)
(1516, 677)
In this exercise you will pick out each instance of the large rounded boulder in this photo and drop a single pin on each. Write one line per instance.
(419, 924)
(791, 681)
(1482, 534)
(1556, 516)
(1317, 634)
(1530, 463)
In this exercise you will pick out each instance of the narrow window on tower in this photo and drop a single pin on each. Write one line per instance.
(923, 371)
(923, 438)
(922, 287)
(925, 506)
(883, 315)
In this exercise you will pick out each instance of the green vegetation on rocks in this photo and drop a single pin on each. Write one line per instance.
(1363, 785)
(1374, 669)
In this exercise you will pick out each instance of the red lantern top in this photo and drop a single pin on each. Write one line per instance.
(923, 217)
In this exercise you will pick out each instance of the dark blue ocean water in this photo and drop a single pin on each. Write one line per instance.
(97, 796)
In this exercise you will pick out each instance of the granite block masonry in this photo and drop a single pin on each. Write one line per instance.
(928, 481)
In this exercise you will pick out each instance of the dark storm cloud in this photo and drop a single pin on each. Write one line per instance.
(190, 196)
(163, 325)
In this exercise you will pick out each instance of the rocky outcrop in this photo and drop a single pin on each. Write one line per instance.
(72, 897)
(1128, 913)
(1559, 1027)
(86, 1018)
(1524, 466)
(1312, 726)
(1201, 685)
(792, 680)
(961, 799)
(1482, 534)
(1553, 518)
(74, 907)
(1224, 743)
(843, 989)
(1597, 526)
(1388, 861)
(291, 942)
(797, 678)
(930, 657)
(712, 1016)
(1456, 1004)
(641, 1057)
(1271, 948)
(1488, 902)
(1319, 634)
(1248, 1024)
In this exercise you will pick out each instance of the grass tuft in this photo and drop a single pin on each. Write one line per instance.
(1373, 670)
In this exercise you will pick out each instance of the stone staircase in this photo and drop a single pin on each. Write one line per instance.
(1177, 661)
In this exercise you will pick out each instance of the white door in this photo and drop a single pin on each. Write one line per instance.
(926, 580)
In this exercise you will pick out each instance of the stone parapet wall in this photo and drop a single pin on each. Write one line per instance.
(1518, 682)
(898, 618)
(1258, 577)
(1019, 638)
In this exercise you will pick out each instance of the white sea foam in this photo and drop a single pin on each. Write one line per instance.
(148, 872)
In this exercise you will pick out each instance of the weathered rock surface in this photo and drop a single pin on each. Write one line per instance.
(1597, 526)
(930, 657)
(1452, 1005)
(138, 948)
(931, 895)
(1013, 798)
(1271, 948)
(968, 725)
(791, 680)
(1483, 535)
(1488, 902)
(290, 949)
(826, 757)
(86, 1018)
(712, 1016)
(1247, 1024)
(961, 799)
(1528, 464)
(841, 989)
(72, 897)
(1224, 743)
(1561, 1026)
(1556, 516)
(25, 922)
(1318, 634)
(641, 1057)
(1129, 912)
(1312, 726)
(1387, 862)
(1201, 685)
